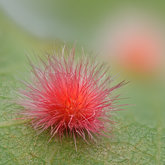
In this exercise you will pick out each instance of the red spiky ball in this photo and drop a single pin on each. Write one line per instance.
(69, 97)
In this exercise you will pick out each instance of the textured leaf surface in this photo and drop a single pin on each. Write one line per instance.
(138, 138)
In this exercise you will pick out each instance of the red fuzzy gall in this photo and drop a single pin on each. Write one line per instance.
(69, 98)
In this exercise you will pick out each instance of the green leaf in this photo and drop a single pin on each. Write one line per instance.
(138, 137)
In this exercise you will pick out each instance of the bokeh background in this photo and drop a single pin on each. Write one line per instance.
(127, 35)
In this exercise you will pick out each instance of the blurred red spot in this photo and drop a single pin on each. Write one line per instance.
(139, 52)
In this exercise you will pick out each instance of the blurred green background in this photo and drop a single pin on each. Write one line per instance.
(36, 27)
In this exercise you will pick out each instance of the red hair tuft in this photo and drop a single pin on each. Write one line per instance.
(69, 97)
